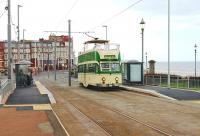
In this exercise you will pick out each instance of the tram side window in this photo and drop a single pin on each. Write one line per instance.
(81, 68)
(115, 66)
(91, 68)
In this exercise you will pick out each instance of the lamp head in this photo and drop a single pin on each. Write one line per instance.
(142, 24)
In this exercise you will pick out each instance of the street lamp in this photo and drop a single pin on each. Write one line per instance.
(142, 24)
(18, 30)
(106, 31)
(195, 60)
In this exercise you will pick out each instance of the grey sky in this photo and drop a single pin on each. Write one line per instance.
(37, 16)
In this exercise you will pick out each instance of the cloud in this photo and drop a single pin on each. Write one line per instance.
(178, 7)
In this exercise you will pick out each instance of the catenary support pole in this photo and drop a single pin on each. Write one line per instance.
(69, 54)
(18, 37)
(9, 42)
(55, 60)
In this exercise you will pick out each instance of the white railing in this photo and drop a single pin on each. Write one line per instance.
(176, 81)
(6, 88)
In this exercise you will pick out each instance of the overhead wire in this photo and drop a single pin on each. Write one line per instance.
(2, 13)
(67, 14)
(3, 1)
(73, 5)
(117, 14)
(15, 30)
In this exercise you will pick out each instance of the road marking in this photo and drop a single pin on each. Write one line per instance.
(193, 101)
(35, 106)
(60, 122)
(42, 107)
(43, 90)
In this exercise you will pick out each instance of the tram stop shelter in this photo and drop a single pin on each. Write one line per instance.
(132, 72)
(23, 73)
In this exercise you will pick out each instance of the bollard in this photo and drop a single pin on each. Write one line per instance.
(160, 80)
(177, 82)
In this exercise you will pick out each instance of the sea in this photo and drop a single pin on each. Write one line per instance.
(182, 68)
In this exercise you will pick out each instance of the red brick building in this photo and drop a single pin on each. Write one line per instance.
(2, 61)
(42, 53)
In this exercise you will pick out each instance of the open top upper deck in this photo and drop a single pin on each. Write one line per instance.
(96, 45)
(99, 50)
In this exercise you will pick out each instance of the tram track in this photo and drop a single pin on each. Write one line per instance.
(132, 118)
(85, 115)
(124, 115)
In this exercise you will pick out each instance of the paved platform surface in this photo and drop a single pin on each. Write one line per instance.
(27, 112)
(174, 93)
(20, 122)
(27, 95)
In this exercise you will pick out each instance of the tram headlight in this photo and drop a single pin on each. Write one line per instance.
(116, 79)
(103, 80)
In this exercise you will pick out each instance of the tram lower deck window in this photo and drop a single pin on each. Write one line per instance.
(91, 68)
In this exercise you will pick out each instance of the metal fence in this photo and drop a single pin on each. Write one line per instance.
(175, 82)
(6, 88)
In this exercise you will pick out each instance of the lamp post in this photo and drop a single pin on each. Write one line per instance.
(18, 30)
(168, 77)
(23, 43)
(106, 31)
(195, 60)
(142, 24)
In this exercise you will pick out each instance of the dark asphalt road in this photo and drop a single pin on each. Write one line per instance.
(174, 93)
(28, 95)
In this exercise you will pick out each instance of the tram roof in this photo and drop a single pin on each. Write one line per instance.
(97, 41)
(24, 62)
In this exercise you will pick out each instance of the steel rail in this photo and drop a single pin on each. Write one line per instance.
(77, 109)
(118, 112)
(132, 118)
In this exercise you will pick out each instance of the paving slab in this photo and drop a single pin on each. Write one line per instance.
(24, 123)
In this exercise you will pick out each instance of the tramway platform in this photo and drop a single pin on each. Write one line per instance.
(27, 95)
(172, 93)
(28, 112)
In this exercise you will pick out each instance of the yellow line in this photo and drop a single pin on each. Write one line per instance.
(18, 105)
(42, 107)
(194, 101)
(43, 90)
(35, 106)
(60, 122)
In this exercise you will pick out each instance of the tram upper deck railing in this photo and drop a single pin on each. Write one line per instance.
(95, 45)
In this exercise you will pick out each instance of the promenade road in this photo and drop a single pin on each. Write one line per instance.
(178, 94)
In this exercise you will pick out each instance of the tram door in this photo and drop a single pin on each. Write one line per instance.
(84, 75)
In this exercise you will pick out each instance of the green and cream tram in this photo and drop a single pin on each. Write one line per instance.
(101, 65)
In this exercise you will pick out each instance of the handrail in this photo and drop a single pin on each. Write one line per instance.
(3, 83)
